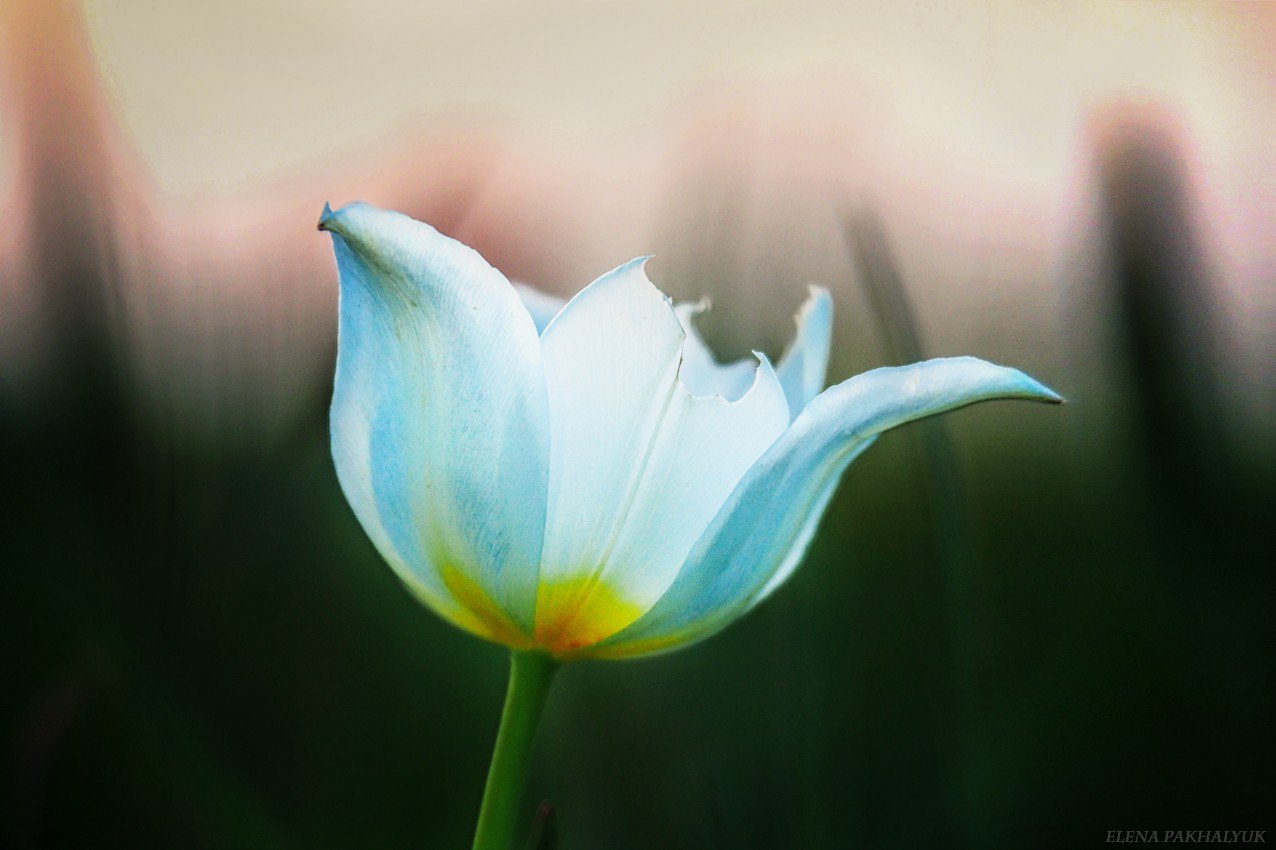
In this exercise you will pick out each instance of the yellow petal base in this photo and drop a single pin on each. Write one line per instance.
(570, 615)
(477, 613)
(574, 614)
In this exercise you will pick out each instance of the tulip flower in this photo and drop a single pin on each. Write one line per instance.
(585, 480)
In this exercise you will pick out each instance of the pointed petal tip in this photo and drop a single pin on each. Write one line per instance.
(638, 262)
(325, 217)
(818, 302)
(1038, 391)
(1013, 383)
(338, 220)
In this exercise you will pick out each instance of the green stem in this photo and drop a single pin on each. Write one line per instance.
(530, 677)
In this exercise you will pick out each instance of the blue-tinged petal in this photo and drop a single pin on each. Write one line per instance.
(440, 423)
(761, 532)
(803, 366)
(542, 306)
(701, 372)
(638, 465)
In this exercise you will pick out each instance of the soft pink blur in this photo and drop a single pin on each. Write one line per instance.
(978, 160)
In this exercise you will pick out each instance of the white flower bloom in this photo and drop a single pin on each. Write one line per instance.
(585, 478)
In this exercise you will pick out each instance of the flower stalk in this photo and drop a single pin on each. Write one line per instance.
(531, 674)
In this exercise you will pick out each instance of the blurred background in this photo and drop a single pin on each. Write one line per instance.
(1019, 626)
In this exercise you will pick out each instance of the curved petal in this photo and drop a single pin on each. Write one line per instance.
(803, 366)
(701, 372)
(440, 418)
(761, 532)
(638, 466)
(542, 306)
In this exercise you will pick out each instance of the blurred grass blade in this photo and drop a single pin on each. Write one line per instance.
(878, 271)
(1165, 317)
(544, 834)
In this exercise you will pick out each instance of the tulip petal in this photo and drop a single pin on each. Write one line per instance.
(761, 532)
(638, 465)
(542, 306)
(801, 368)
(803, 365)
(701, 372)
(440, 424)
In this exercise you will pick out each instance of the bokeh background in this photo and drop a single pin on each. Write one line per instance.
(1019, 626)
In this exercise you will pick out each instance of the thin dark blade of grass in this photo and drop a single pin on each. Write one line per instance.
(1166, 322)
(544, 834)
(878, 271)
(875, 263)
(1212, 501)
